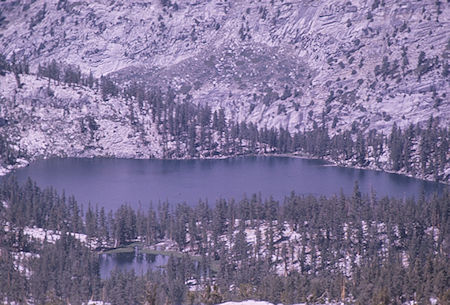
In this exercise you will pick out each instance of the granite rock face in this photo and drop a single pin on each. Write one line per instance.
(277, 63)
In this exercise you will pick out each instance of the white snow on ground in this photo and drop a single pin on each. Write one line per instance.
(96, 303)
(53, 236)
(20, 258)
(165, 245)
(250, 302)
(286, 239)
(297, 244)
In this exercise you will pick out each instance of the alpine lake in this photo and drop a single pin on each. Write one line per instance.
(110, 183)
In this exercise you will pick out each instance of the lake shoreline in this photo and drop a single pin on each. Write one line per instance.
(328, 162)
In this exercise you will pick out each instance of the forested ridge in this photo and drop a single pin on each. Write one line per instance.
(360, 249)
(188, 130)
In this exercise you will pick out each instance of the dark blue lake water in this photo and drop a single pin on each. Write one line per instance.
(112, 182)
(140, 263)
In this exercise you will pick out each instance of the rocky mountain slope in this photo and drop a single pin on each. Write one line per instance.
(67, 121)
(284, 64)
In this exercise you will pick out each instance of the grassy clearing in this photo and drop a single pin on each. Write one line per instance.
(120, 250)
(168, 253)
